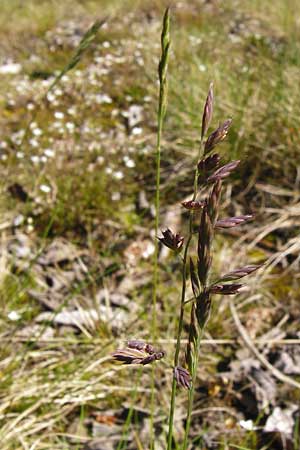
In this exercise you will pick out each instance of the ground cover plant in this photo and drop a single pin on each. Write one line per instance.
(78, 223)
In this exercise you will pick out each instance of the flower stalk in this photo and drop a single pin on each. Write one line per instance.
(192, 205)
(161, 112)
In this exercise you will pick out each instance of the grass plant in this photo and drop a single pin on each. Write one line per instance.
(208, 179)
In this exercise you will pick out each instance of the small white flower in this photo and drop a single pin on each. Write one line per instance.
(281, 421)
(70, 126)
(136, 131)
(106, 44)
(130, 163)
(72, 111)
(14, 316)
(134, 114)
(37, 132)
(59, 115)
(115, 112)
(20, 155)
(49, 153)
(45, 188)
(116, 196)
(46, 83)
(119, 175)
(18, 220)
(33, 142)
(247, 425)
(35, 159)
(50, 97)
(10, 69)
(103, 98)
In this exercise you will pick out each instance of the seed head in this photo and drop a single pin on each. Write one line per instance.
(204, 242)
(138, 352)
(140, 345)
(232, 221)
(226, 289)
(241, 272)
(217, 136)
(209, 163)
(203, 308)
(165, 47)
(193, 205)
(223, 171)
(214, 201)
(155, 357)
(171, 240)
(208, 111)
(191, 348)
(194, 279)
(183, 377)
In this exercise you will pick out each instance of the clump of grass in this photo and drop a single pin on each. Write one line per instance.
(204, 209)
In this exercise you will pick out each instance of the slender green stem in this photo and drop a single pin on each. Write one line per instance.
(182, 304)
(122, 442)
(198, 341)
(192, 392)
(160, 118)
(177, 348)
(193, 373)
(157, 208)
(162, 104)
(161, 112)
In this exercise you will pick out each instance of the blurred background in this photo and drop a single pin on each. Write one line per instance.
(77, 154)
